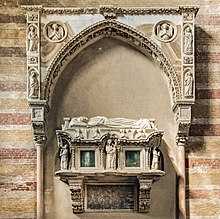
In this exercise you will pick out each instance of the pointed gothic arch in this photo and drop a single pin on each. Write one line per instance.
(114, 29)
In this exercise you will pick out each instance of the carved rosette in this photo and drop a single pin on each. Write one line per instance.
(33, 53)
(144, 194)
(188, 75)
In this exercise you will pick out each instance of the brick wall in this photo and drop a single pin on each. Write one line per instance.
(17, 151)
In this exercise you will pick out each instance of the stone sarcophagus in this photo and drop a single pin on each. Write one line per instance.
(109, 163)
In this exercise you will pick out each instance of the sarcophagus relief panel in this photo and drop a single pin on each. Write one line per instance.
(109, 156)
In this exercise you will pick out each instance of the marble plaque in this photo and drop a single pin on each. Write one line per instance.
(87, 158)
(132, 158)
(107, 197)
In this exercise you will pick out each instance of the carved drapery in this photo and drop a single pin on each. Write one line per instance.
(182, 89)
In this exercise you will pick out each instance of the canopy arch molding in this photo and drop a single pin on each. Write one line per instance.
(114, 29)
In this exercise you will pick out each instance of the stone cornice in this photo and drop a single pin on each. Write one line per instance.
(113, 9)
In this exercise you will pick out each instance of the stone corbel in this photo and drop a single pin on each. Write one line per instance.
(77, 193)
(182, 110)
(144, 194)
(38, 110)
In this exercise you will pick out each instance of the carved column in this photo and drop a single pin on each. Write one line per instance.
(147, 158)
(39, 142)
(181, 143)
(38, 122)
(183, 121)
(144, 194)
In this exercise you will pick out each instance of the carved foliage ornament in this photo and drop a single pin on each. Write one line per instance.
(117, 10)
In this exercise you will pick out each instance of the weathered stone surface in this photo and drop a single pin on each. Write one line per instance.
(206, 177)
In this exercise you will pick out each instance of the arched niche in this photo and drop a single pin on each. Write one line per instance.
(176, 124)
(113, 79)
(114, 29)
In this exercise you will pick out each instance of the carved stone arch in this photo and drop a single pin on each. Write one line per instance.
(115, 29)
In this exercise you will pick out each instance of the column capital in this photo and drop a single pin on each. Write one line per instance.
(39, 140)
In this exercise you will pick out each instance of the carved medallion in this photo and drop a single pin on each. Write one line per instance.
(165, 31)
(55, 31)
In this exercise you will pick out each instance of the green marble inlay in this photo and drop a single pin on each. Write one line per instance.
(87, 158)
(132, 158)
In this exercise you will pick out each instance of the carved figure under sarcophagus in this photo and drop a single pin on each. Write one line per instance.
(110, 152)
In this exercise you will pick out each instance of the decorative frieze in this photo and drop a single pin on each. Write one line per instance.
(113, 9)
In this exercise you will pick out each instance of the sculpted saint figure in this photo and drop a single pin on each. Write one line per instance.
(33, 39)
(155, 160)
(56, 32)
(64, 157)
(34, 85)
(188, 41)
(188, 84)
(111, 154)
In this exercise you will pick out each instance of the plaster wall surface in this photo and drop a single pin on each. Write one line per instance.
(17, 150)
(112, 79)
